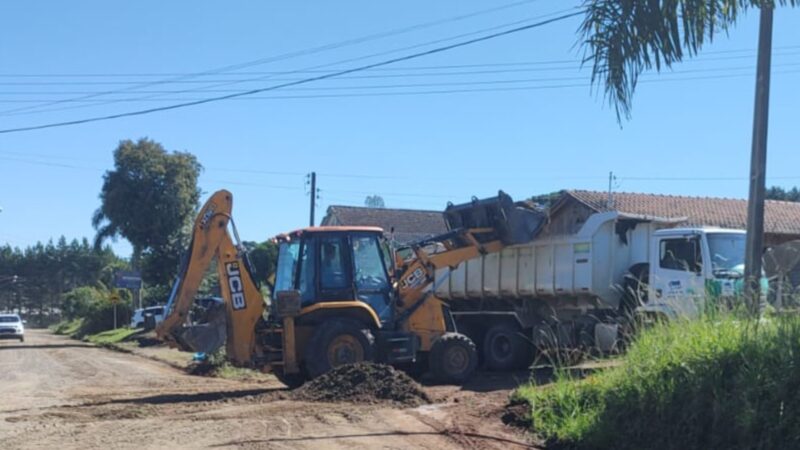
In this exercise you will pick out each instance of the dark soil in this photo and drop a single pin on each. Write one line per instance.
(148, 341)
(517, 414)
(367, 383)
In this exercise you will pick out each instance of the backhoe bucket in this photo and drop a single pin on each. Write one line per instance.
(511, 224)
(206, 337)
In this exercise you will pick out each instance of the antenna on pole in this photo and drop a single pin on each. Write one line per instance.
(611, 179)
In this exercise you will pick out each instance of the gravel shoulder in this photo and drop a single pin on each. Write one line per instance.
(61, 393)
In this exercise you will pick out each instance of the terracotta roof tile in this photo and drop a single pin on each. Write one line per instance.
(409, 224)
(779, 217)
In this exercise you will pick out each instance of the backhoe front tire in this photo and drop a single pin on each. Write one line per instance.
(453, 358)
(338, 342)
(291, 380)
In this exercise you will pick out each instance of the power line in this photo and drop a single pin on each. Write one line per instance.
(455, 91)
(294, 83)
(575, 65)
(402, 75)
(656, 78)
(310, 51)
(335, 63)
(397, 194)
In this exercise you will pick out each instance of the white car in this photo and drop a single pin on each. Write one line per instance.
(12, 327)
(138, 319)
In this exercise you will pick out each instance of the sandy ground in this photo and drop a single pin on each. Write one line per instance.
(60, 393)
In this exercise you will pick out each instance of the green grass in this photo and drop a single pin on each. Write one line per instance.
(712, 384)
(111, 336)
(67, 327)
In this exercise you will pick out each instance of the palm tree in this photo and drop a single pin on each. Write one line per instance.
(623, 38)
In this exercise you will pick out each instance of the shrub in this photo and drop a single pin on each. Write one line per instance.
(92, 306)
(692, 385)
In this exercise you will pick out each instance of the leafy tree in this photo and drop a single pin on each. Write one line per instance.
(779, 193)
(623, 38)
(149, 198)
(263, 257)
(374, 201)
(547, 200)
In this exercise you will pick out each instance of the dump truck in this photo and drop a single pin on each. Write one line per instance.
(341, 294)
(581, 290)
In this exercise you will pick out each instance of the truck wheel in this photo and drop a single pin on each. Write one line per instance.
(338, 342)
(504, 348)
(453, 358)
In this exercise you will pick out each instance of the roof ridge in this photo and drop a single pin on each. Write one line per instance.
(387, 209)
(652, 194)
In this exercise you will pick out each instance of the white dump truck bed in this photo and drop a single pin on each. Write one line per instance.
(590, 264)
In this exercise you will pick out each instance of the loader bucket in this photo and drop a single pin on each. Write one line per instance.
(511, 224)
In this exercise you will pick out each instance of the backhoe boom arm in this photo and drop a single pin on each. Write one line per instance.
(244, 304)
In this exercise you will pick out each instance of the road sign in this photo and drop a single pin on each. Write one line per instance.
(128, 279)
(114, 299)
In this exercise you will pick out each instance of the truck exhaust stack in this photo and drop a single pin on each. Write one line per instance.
(512, 224)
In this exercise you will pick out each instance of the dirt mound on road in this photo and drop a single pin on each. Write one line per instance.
(364, 383)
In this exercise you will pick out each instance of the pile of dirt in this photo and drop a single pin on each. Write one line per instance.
(367, 383)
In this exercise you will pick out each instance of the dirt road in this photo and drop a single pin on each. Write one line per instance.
(60, 393)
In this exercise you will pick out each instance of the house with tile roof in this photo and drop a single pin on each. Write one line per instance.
(570, 211)
(408, 224)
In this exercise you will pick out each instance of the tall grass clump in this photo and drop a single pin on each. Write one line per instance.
(718, 383)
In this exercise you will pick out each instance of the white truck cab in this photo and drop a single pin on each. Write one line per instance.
(691, 266)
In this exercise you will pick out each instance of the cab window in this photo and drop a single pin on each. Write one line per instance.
(332, 264)
(680, 254)
(370, 273)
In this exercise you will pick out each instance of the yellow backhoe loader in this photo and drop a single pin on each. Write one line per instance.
(341, 294)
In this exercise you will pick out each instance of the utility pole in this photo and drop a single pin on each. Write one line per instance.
(758, 165)
(313, 196)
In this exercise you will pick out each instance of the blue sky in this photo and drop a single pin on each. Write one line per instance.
(416, 150)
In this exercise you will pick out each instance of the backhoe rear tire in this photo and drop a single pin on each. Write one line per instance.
(338, 342)
(453, 358)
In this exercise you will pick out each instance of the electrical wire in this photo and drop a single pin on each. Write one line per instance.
(335, 63)
(313, 50)
(304, 81)
(573, 65)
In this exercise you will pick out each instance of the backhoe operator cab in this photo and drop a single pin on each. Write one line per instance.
(326, 264)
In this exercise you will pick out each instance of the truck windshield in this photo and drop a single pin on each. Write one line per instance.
(727, 252)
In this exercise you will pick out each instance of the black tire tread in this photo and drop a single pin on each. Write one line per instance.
(316, 360)
(436, 358)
